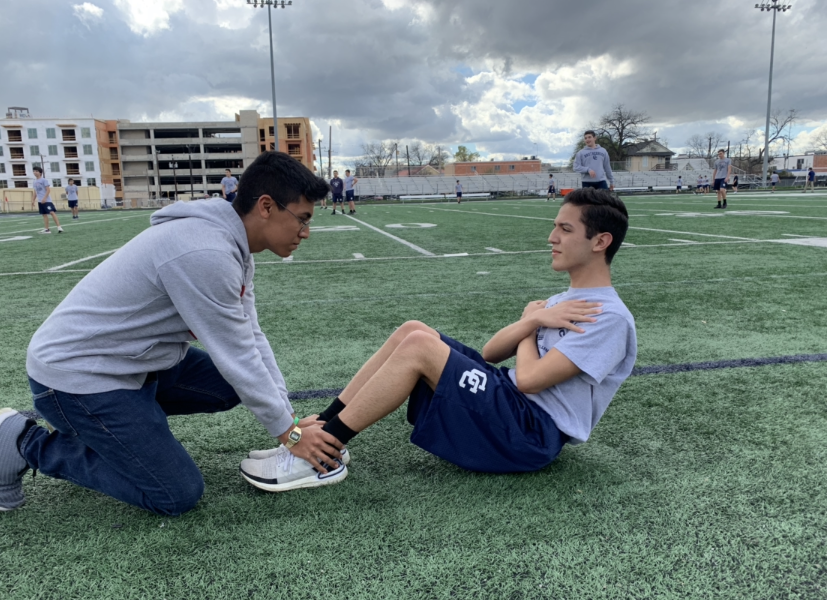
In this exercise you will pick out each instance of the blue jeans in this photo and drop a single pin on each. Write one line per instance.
(119, 442)
(600, 185)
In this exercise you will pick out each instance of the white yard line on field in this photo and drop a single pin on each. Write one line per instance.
(80, 260)
(393, 237)
(76, 224)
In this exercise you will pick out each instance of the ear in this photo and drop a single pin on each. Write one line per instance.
(601, 242)
(265, 206)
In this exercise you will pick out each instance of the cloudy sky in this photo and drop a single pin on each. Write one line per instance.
(507, 78)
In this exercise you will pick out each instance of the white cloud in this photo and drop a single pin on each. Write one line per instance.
(88, 13)
(146, 17)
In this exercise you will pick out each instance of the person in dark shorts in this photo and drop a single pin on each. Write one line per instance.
(810, 181)
(229, 186)
(680, 185)
(337, 186)
(593, 164)
(723, 169)
(43, 192)
(774, 181)
(735, 184)
(552, 189)
(72, 197)
(573, 352)
(350, 192)
(458, 190)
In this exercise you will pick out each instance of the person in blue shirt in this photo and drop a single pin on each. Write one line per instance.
(573, 351)
(337, 186)
(43, 191)
(72, 197)
(810, 181)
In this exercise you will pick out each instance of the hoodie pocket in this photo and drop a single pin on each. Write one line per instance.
(144, 353)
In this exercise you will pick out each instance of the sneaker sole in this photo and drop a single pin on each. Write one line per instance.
(329, 479)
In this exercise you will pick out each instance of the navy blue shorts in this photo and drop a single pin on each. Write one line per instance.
(231, 196)
(599, 185)
(337, 198)
(72, 203)
(350, 195)
(477, 419)
(46, 207)
(459, 194)
(720, 184)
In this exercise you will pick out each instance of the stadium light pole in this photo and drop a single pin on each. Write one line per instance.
(773, 7)
(270, 4)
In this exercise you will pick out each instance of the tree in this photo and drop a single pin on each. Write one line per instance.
(751, 147)
(418, 154)
(621, 127)
(437, 155)
(820, 141)
(705, 146)
(602, 141)
(376, 156)
(462, 155)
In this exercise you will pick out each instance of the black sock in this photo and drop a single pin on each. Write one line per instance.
(339, 430)
(331, 411)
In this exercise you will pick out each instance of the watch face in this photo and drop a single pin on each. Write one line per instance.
(295, 436)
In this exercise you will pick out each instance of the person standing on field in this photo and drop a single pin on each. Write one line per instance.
(810, 181)
(593, 164)
(774, 181)
(552, 190)
(680, 185)
(229, 186)
(43, 193)
(337, 187)
(458, 189)
(723, 170)
(72, 197)
(350, 192)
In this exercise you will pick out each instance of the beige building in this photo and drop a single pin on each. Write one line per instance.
(174, 160)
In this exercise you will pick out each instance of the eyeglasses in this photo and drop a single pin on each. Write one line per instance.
(304, 224)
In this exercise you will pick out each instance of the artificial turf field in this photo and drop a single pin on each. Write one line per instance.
(707, 483)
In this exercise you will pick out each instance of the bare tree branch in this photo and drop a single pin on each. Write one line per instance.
(622, 126)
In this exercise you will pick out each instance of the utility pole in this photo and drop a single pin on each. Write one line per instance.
(321, 159)
(173, 166)
(189, 153)
(329, 151)
(396, 151)
(408, 155)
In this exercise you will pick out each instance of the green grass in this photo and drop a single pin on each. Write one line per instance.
(706, 484)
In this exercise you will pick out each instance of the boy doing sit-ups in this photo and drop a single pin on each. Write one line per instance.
(573, 352)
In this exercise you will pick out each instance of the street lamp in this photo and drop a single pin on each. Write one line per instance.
(173, 166)
(774, 7)
(270, 4)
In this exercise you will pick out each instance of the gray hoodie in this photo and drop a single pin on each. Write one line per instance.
(596, 159)
(188, 277)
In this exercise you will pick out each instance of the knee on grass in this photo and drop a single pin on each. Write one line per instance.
(178, 501)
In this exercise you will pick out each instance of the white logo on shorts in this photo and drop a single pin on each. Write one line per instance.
(476, 380)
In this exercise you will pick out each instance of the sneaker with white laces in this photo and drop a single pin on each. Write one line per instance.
(283, 472)
(60, 229)
(12, 465)
(262, 454)
(45, 231)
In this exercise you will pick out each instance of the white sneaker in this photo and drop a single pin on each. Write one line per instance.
(262, 454)
(45, 231)
(60, 229)
(283, 472)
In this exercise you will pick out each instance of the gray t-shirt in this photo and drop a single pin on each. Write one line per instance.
(40, 188)
(71, 192)
(230, 184)
(605, 354)
(349, 183)
(774, 178)
(458, 188)
(722, 168)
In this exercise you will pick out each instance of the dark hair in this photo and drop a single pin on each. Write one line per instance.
(228, 171)
(590, 132)
(38, 170)
(602, 212)
(281, 177)
(721, 150)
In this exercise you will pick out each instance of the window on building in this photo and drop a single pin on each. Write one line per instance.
(272, 132)
(32, 133)
(54, 167)
(34, 150)
(294, 150)
(113, 137)
(645, 161)
(18, 170)
(68, 135)
(3, 184)
(57, 183)
(72, 169)
(116, 169)
(2, 168)
(17, 153)
(85, 132)
(511, 167)
(292, 130)
(117, 184)
(113, 153)
(15, 135)
(90, 166)
(474, 169)
(496, 167)
(87, 149)
(1, 150)
(21, 184)
(263, 148)
(70, 151)
(51, 133)
(91, 182)
(261, 135)
(52, 150)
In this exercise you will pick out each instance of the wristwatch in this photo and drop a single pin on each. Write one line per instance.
(293, 437)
